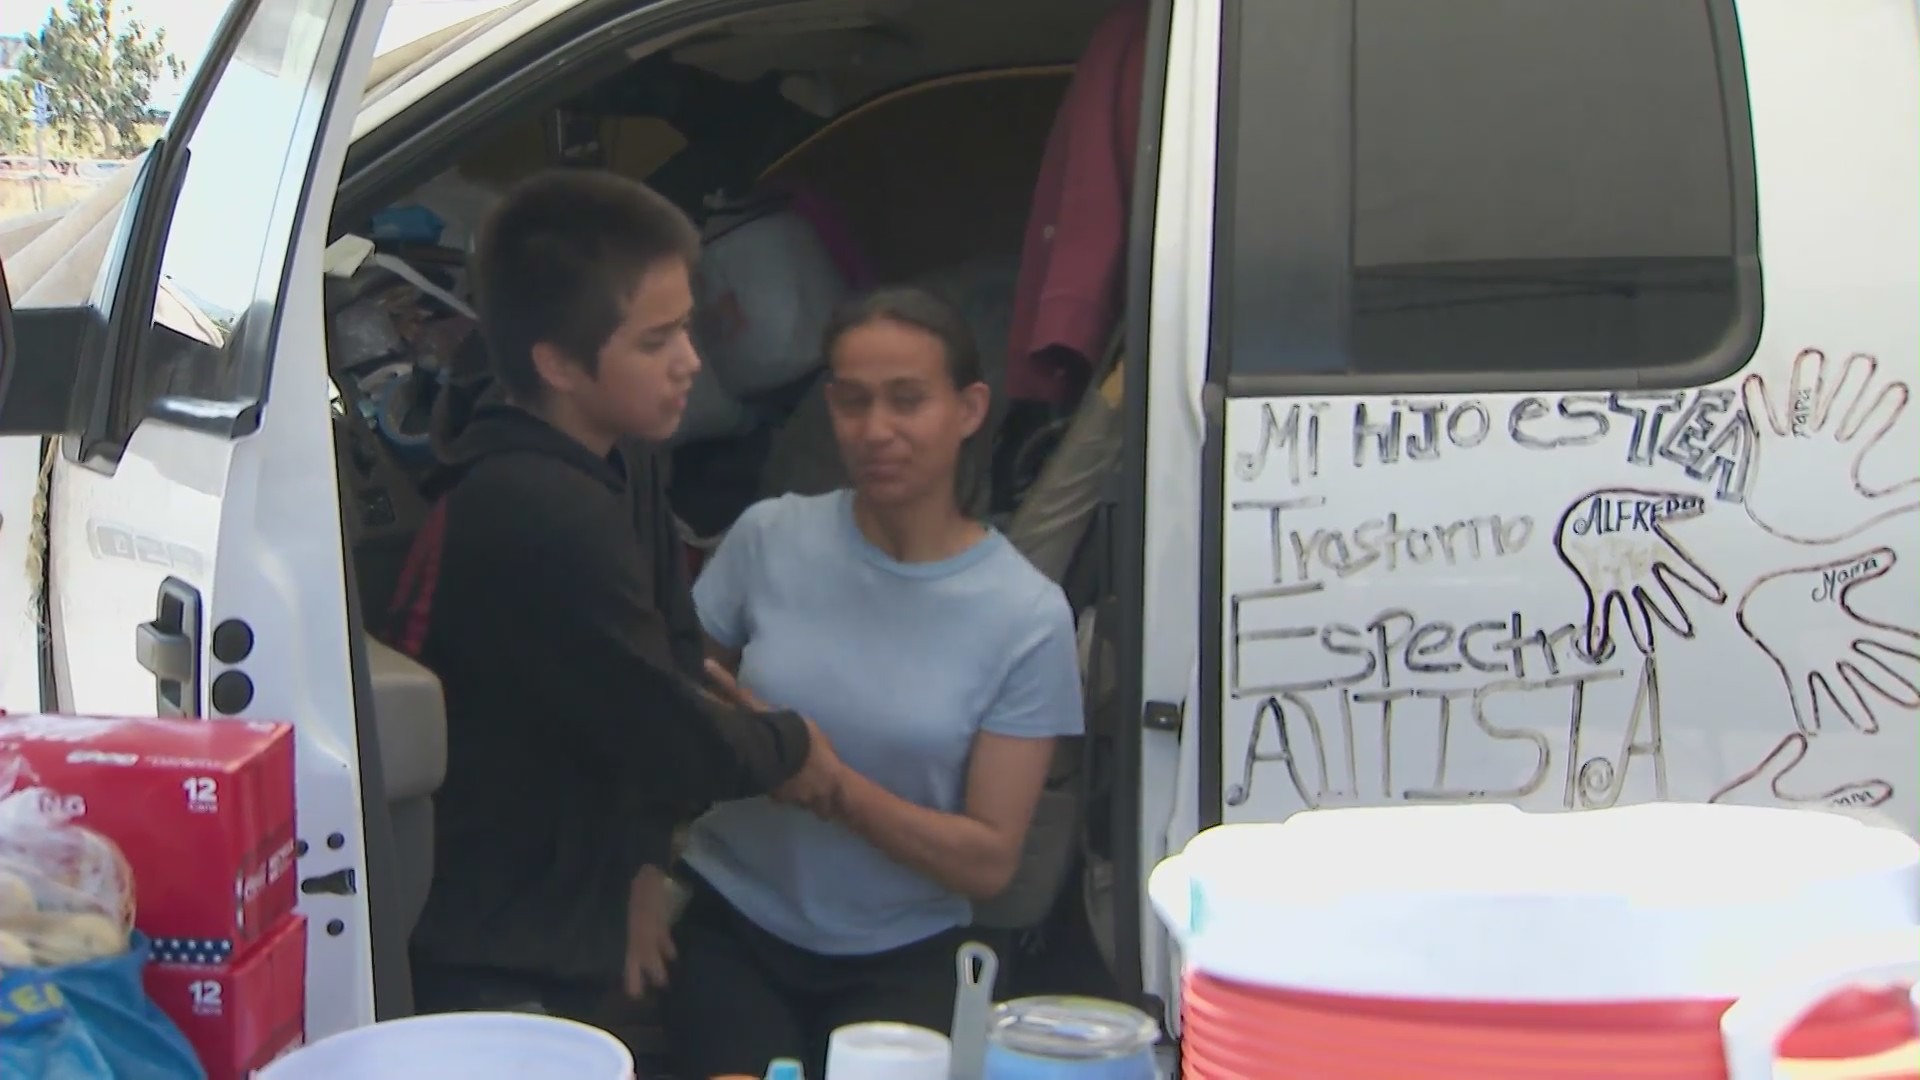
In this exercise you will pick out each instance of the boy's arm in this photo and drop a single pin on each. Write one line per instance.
(616, 688)
(672, 592)
(649, 832)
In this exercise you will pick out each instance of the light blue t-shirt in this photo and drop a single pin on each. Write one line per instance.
(900, 664)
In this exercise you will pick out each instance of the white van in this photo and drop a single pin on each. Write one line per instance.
(1517, 404)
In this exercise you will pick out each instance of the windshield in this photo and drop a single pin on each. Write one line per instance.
(410, 21)
(405, 50)
(68, 159)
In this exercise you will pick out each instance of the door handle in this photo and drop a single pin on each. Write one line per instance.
(169, 646)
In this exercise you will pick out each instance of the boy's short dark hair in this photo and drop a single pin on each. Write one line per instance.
(557, 260)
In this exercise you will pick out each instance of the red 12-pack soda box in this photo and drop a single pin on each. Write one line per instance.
(202, 809)
(243, 1014)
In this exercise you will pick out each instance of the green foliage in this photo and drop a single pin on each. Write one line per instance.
(101, 68)
(16, 111)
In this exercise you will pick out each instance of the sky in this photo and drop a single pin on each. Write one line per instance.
(190, 23)
(245, 170)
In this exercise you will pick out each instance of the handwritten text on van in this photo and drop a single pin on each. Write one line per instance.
(1702, 432)
(1415, 702)
(1834, 582)
(1387, 542)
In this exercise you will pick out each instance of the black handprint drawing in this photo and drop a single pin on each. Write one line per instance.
(1831, 656)
(1769, 778)
(1619, 545)
(1831, 416)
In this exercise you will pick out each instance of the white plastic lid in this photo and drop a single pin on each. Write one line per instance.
(1065, 1028)
(1662, 901)
(471, 1046)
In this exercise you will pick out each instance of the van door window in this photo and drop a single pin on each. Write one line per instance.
(1505, 195)
(226, 246)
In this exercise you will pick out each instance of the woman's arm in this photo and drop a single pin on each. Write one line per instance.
(721, 599)
(975, 852)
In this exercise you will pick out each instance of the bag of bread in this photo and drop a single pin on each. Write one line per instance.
(72, 1000)
(66, 892)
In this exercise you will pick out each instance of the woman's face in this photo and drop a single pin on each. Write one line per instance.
(898, 417)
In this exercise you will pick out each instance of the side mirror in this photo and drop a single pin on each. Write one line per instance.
(40, 350)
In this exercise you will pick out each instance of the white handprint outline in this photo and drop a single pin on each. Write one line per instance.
(1783, 613)
(1785, 757)
(1832, 417)
(1619, 546)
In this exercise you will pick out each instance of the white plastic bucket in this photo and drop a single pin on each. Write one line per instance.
(461, 1046)
(1486, 942)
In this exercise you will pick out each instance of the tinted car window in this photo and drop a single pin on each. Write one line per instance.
(1527, 185)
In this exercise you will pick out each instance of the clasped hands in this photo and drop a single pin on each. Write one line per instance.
(818, 785)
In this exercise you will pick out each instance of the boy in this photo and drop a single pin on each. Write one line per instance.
(545, 592)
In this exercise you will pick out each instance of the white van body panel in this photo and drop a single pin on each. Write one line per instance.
(1406, 580)
(1177, 343)
(113, 538)
(20, 457)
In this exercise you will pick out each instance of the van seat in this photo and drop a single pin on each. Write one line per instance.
(410, 718)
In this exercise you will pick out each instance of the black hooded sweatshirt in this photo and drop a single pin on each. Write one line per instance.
(546, 593)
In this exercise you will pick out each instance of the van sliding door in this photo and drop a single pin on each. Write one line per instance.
(1510, 497)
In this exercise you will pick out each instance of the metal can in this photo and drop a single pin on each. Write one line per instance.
(1070, 1038)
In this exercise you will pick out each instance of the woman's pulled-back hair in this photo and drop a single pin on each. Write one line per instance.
(922, 310)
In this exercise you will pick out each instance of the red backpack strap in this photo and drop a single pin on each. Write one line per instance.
(410, 612)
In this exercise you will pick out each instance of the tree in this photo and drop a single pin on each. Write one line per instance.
(16, 115)
(101, 69)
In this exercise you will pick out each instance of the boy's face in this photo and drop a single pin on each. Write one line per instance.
(646, 367)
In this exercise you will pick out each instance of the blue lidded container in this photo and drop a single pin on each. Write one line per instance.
(407, 225)
(1070, 1038)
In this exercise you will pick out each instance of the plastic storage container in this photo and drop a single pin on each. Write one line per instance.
(1486, 942)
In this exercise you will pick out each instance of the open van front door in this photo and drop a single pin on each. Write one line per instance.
(20, 574)
(193, 529)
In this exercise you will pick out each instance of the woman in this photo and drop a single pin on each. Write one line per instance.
(939, 663)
